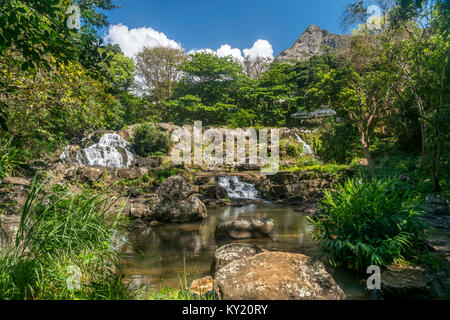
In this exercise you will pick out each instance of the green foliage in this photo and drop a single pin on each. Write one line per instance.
(336, 142)
(372, 222)
(335, 169)
(58, 105)
(290, 149)
(168, 172)
(56, 231)
(10, 158)
(216, 90)
(118, 69)
(149, 141)
(207, 90)
(166, 293)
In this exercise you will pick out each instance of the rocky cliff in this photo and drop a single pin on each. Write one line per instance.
(313, 42)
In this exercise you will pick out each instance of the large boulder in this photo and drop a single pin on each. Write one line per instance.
(413, 282)
(176, 201)
(91, 174)
(276, 276)
(244, 229)
(231, 252)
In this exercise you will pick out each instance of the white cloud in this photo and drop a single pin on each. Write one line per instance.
(261, 48)
(132, 41)
(226, 50)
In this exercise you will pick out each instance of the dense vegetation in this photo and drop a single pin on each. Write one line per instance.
(59, 230)
(373, 222)
(390, 87)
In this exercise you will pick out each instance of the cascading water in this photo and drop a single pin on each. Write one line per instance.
(306, 147)
(237, 189)
(111, 151)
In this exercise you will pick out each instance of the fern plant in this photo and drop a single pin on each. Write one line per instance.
(372, 222)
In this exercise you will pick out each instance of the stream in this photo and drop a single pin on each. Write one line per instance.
(160, 254)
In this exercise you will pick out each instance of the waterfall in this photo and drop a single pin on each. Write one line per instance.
(306, 147)
(237, 189)
(111, 151)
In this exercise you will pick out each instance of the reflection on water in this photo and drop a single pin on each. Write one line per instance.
(159, 254)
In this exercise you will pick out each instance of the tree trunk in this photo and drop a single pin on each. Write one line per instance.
(366, 149)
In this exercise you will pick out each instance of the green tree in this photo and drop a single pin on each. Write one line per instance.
(158, 72)
(37, 30)
(119, 70)
(208, 89)
(360, 87)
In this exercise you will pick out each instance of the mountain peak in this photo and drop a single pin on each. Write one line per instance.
(314, 41)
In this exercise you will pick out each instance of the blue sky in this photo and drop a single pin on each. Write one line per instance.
(200, 24)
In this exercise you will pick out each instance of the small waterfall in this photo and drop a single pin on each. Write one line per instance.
(306, 147)
(237, 189)
(111, 151)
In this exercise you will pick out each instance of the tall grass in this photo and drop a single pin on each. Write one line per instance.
(145, 292)
(60, 231)
(10, 158)
(368, 222)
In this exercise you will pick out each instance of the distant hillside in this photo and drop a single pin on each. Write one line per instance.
(313, 42)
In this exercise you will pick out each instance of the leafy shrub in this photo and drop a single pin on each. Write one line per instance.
(335, 169)
(150, 141)
(57, 232)
(365, 223)
(168, 172)
(10, 158)
(337, 142)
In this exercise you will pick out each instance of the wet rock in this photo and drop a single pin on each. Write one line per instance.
(203, 286)
(131, 173)
(90, 174)
(176, 201)
(13, 194)
(437, 216)
(311, 208)
(147, 162)
(244, 229)
(248, 167)
(213, 192)
(276, 276)
(231, 252)
(400, 282)
(9, 226)
(18, 181)
(138, 207)
(436, 199)
(168, 127)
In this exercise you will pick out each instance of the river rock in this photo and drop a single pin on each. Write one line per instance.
(412, 282)
(131, 173)
(276, 276)
(13, 194)
(215, 192)
(244, 229)
(176, 201)
(90, 174)
(203, 286)
(231, 252)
